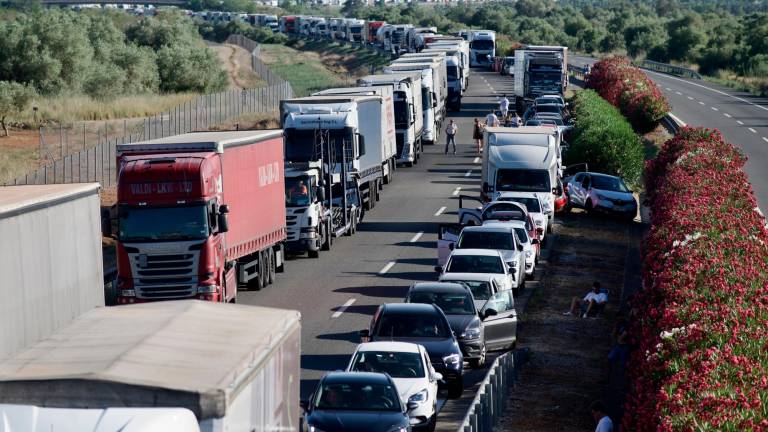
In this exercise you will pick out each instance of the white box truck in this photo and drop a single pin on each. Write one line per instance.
(482, 47)
(183, 365)
(521, 159)
(539, 70)
(430, 79)
(447, 68)
(409, 125)
(50, 256)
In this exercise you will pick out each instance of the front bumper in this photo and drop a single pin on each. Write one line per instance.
(449, 373)
(609, 207)
(301, 245)
(471, 349)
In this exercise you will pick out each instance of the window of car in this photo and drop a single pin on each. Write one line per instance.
(522, 235)
(585, 182)
(548, 108)
(481, 290)
(412, 326)
(396, 364)
(612, 184)
(475, 264)
(451, 303)
(361, 396)
(486, 240)
(532, 204)
(500, 302)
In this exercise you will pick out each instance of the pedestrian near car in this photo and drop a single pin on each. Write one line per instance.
(504, 106)
(491, 120)
(589, 303)
(450, 133)
(477, 135)
(604, 423)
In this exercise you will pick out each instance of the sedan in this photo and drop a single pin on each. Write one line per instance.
(531, 245)
(356, 401)
(424, 325)
(481, 261)
(498, 237)
(457, 304)
(601, 193)
(409, 367)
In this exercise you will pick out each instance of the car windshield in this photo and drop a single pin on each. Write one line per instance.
(138, 224)
(409, 325)
(485, 240)
(522, 235)
(612, 184)
(297, 191)
(475, 264)
(532, 204)
(481, 44)
(522, 180)
(450, 303)
(396, 364)
(360, 396)
(548, 109)
(481, 290)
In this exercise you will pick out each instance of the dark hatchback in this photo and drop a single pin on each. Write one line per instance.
(356, 401)
(458, 305)
(423, 324)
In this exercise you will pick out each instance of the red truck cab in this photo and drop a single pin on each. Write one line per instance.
(373, 28)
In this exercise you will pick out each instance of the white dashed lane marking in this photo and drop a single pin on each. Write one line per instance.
(343, 308)
(440, 211)
(689, 97)
(701, 103)
(752, 130)
(387, 267)
(714, 109)
(416, 237)
(456, 191)
(477, 160)
(677, 92)
(668, 89)
(740, 122)
(468, 173)
(765, 139)
(727, 115)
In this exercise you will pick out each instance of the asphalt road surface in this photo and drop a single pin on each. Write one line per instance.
(396, 245)
(741, 117)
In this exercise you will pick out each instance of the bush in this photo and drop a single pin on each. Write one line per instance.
(603, 139)
(700, 362)
(629, 89)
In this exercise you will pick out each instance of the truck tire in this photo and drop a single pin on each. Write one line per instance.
(379, 187)
(257, 283)
(281, 268)
(326, 238)
(265, 268)
(272, 266)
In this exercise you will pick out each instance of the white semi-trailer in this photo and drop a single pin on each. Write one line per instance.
(50, 257)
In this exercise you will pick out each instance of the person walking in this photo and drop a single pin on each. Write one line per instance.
(450, 133)
(477, 135)
(491, 120)
(504, 106)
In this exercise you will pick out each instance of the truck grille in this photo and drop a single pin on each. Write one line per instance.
(159, 274)
(292, 222)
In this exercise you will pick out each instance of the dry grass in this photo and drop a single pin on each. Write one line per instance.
(16, 158)
(303, 69)
(250, 122)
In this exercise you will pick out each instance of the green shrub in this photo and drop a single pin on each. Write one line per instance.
(604, 139)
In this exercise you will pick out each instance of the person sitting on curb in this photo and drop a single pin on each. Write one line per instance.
(591, 301)
(604, 423)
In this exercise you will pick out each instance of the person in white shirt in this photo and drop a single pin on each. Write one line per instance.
(590, 301)
(450, 133)
(491, 120)
(604, 423)
(504, 106)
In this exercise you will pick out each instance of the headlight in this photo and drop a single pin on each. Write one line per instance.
(472, 333)
(452, 360)
(418, 397)
(314, 429)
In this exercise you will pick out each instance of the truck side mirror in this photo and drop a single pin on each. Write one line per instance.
(106, 223)
(320, 193)
(223, 219)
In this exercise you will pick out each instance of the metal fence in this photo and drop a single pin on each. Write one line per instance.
(489, 403)
(86, 152)
(668, 69)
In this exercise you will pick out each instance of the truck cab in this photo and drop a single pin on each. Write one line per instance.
(482, 47)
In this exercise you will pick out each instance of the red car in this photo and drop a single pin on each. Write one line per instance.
(561, 199)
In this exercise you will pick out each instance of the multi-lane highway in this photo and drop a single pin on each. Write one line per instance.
(338, 292)
(741, 117)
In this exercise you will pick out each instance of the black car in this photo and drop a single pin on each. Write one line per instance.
(355, 401)
(424, 324)
(456, 302)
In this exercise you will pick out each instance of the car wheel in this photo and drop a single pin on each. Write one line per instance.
(477, 363)
(432, 423)
(456, 388)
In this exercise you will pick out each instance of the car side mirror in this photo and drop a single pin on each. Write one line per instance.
(436, 376)
(365, 334)
(451, 246)
(534, 241)
(223, 219)
(439, 269)
(490, 313)
(520, 248)
(554, 190)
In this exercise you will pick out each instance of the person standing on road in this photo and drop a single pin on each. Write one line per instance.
(450, 133)
(491, 120)
(477, 135)
(604, 423)
(504, 106)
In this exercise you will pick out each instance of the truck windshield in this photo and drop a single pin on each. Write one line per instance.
(305, 145)
(401, 111)
(139, 224)
(522, 180)
(482, 44)
(298, 191)
(453, 72)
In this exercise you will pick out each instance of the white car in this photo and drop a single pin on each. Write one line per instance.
(498, 237)
(483, 261)
(409, 367)
(537, 208)
(530, 246)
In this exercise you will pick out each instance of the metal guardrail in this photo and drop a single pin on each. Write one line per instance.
(668, 69)
(488, 405)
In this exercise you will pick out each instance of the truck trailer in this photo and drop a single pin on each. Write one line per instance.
(189, 366)
(198, 214)
(51, 260)
(432, 80)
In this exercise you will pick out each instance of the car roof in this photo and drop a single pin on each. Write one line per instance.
(486, 228)
(355, 377)
(514, 223)
(476, 252)
(442, 287)
(388, 346)
(409, 308)
(480, 277)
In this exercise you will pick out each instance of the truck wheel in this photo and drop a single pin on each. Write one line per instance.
(272, 266)
(281, 267)
(378, 188)
(326, 238)
(257, 283)
(264, 269)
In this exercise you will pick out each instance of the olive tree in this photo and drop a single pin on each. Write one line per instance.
(14, 98)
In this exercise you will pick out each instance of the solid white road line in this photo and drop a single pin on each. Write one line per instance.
(714, 109)
(468, 173)
(456, 191)
(477, 160)
(343, 308)
(752, 130)
(677, 120)
(740, 122)
(440, 211)
(701, 103)
(416, 238)
(727, 115)
(387, 267)
(713, 90)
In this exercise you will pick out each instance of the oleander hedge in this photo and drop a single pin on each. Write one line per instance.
(701, 362)
(604, 139)
(628, 88)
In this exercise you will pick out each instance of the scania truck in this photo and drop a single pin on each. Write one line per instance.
(409, 124)
(199, 213)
